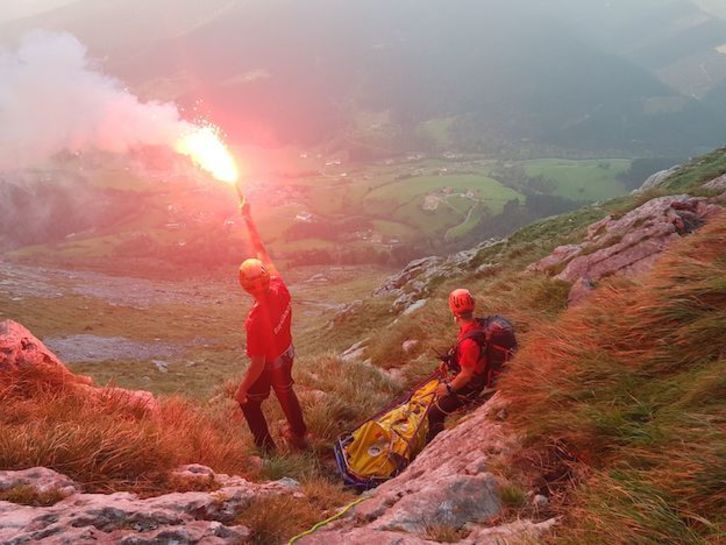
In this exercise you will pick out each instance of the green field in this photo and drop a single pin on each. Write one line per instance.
(589, 180)
(394, 229)
(387, 197)
(467, 225)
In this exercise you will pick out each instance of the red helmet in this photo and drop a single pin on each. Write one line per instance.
(461, 302)
(254, 276)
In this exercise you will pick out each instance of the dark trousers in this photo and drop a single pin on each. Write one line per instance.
(449, 403)
(278, 376)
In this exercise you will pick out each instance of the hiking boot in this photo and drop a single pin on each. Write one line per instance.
(296, 442)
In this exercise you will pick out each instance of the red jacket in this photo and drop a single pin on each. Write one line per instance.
(269, 321)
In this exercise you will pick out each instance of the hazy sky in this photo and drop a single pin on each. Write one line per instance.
(272, 71)
(716, 7)
(14, 9)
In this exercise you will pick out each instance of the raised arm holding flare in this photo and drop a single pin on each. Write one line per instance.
(256, 239)
(269, 345)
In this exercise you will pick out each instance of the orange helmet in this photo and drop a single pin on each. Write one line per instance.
(461, 302)
(253, 276)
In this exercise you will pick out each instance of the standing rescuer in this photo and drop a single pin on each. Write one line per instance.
(471, 360)
(269, 346)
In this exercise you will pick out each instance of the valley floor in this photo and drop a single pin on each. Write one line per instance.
(165, 336)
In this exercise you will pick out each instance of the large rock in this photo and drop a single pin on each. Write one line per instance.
(21, 351)
(364, 536)
(627, 245)
(658, 179)
(39, 479)
(420, 277)
(190, 518)
(355, 352)
(449, 485)
(718, 184)
(450, 501)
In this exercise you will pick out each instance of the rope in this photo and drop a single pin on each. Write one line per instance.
(327, 520)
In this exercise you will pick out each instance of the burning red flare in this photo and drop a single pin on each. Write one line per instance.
(205, 148)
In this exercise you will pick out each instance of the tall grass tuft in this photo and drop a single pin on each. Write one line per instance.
(107, 444)
(275, 519)
(632, 384)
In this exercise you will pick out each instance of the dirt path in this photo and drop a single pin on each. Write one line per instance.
(466, 220)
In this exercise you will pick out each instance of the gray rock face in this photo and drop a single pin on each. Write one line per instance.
(40, 479)
(20, 349)
(355, 352)
(416, 305)
(629, 245)
(417, 279)
(561, 254)
(451, 501)
(658, 178)
(521, 532)
(717, 183)
(447, 486)
(205, 518)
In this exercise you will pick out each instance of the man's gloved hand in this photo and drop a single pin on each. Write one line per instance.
(442, 389)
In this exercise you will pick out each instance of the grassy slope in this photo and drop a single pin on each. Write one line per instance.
(581, 180)
(621, 399)
(631, 385)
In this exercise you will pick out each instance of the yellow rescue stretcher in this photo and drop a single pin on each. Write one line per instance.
(384, 445)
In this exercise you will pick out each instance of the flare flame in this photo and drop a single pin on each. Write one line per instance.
(204, 146)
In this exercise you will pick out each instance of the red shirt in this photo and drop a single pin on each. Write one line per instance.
(468, 351)
(268, 323)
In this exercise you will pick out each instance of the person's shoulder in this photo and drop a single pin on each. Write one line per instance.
(252, 315)
(468, 343)
(277, 283)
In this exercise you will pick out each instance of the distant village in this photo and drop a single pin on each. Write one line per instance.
(294, 196)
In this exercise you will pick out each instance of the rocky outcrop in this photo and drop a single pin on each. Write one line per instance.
(354, 352)
(420, 277)
(448, 486)
(626, 245)
(183, 518)
(21, 351)
(658, 179)
(717, 184)
(39, 480)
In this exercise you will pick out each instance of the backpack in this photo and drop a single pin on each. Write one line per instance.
(497, 342)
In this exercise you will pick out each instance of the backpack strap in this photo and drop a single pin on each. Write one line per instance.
(478, 336)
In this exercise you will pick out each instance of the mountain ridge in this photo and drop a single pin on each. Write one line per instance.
(269, 75)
